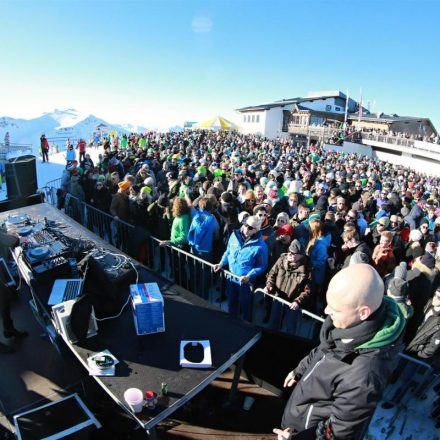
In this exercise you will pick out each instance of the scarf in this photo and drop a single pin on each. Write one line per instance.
(332, 337)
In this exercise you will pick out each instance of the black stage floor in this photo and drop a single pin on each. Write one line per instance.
(37, 373)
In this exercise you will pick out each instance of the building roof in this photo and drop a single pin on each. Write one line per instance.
(312, 96)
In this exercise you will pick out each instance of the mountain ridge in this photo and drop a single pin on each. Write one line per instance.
(58, 125)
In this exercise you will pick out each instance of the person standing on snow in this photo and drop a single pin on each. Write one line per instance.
(82, 149)
(44, 144)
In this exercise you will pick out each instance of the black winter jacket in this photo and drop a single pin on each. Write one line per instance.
(426, 342)
(343, 385)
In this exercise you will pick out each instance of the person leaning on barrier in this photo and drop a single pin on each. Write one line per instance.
(290, 279)
(247, 256)
(119, 204)
(342, 379)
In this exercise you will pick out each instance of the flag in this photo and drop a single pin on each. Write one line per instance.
(346, 111)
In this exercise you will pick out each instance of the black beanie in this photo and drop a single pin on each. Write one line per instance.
(397, 287)
(428, 260)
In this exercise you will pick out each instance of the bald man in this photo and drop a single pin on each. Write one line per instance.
(341, 380)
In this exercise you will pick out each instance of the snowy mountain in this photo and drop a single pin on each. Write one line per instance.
(57, 126)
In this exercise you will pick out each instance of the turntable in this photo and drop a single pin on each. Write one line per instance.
(17, 220)
(25, 230)
(39, 253)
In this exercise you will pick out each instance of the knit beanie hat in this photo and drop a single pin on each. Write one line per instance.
(401, 271)
(314, 217)
(397, 287)
(384, 221)
(424, 221)
(428, 260)
(284, 230)
(124, 185)
(149, 181)
(296, 247)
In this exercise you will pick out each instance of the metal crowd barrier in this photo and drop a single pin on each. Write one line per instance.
(172, 263)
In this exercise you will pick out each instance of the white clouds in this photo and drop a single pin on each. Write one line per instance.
(201, 25)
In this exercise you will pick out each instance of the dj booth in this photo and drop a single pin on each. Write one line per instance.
(51, 245)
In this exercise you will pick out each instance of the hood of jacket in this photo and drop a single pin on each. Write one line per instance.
(430, 273)
(392, 327)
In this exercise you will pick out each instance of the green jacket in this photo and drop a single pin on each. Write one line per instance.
(179, 230)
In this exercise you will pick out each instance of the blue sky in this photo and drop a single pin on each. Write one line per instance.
(158, 63)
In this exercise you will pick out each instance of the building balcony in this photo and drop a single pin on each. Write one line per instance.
(401, 141)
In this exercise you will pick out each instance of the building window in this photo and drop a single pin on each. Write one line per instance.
(253, 118)
(257, 119)
(328, 108)
(287, 117)
(340, 102)
(244, 118)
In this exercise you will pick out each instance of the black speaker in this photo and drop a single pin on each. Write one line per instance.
(21, 177)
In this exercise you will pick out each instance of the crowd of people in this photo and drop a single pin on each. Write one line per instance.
(278, 215)
(338, 234)
(432, 138)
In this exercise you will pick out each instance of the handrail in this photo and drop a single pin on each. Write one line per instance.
(12, 148)
(194, 257)
(287, 303)
(397, 140)
(53, 183)
(14, 145)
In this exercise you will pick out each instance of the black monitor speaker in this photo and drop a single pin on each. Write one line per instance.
(21, 176)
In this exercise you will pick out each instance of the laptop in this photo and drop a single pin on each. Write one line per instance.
(65, 290)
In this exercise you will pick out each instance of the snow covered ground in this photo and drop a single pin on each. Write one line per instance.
(52, 170)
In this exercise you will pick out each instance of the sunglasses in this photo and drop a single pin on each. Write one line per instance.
(251, 228)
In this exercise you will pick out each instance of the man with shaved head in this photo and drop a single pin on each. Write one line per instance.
(340, 382)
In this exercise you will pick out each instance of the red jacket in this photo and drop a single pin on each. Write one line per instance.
(44, 143)
(82, 146)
